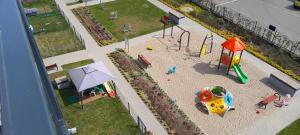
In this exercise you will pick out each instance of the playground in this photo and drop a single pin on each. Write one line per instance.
(193, 73)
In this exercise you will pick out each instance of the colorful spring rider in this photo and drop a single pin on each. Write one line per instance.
(216, 99)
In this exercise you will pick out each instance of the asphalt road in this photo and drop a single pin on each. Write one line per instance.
(279, 13)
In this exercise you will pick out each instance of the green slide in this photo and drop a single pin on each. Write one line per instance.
(240, 73)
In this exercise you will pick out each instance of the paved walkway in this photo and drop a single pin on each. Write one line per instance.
(282, 116)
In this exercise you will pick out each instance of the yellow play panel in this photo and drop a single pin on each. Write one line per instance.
(217, 105)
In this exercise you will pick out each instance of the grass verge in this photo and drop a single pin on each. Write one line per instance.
(292, 129)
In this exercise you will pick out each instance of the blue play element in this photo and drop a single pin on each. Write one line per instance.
(172, 70)
(228, 99)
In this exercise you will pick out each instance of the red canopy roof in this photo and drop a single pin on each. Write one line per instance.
(234, 44)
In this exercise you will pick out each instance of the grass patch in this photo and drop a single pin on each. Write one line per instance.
(141, 15)
(292, 129)
(77, 64)
(105, 116)
(57, 38)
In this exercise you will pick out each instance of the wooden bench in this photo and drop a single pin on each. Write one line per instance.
(51, 67)
(268, 100)
(144, 60)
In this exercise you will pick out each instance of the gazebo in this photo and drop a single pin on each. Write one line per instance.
(89, 76)
(233, 45)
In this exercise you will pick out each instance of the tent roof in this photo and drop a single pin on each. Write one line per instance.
(234, 44)
(90, 76)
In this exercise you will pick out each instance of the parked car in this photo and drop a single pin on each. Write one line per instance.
(297, 4)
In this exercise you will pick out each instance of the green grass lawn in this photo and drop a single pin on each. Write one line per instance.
(292, 129)
(58, 38)
(141, 15)
(105, 116)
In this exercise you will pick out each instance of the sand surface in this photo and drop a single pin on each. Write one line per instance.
(194, 73)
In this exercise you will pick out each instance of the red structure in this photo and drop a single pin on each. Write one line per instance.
(233, 45)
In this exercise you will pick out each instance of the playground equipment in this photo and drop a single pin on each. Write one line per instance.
(109, 88)
(268, 100)
(174, 20)
(216, 99)
(233, 45)
(149, 47)
(126, 28)
(172, 70)
(203, 49)
(113, 15)
(126, 43)
(285, 100)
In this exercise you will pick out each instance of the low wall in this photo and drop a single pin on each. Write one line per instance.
(284, 84)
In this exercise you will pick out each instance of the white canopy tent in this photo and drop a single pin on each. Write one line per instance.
(90, 76)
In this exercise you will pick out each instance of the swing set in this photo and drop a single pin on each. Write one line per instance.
(174, 20)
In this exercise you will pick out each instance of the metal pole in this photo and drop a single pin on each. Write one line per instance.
(172, 30)
(211, 42)
(221, 57)
(229, 66)
(255, 26)
(164, 30)
(188, 44)
(240, 56)
(128, 107)
(80, 96)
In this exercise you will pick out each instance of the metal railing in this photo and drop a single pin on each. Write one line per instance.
(132, 112)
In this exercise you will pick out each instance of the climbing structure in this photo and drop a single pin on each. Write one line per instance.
(233, 45)
(216, 99)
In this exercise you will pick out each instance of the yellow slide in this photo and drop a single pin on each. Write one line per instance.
(109, 90)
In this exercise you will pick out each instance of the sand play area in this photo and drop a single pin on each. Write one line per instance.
(194, 73)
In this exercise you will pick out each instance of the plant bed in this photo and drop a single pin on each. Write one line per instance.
(169, 115)
(255, 45)
(99, 32)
